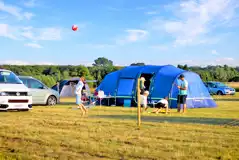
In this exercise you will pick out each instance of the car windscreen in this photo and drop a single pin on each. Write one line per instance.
(220, 84)
(9, 78)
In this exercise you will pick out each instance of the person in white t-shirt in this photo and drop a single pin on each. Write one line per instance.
(163, 103)
(143, 100)
(78, 92)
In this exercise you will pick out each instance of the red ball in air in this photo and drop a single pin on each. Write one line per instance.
(74, 28)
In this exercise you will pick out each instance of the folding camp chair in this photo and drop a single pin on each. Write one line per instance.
(88, 99)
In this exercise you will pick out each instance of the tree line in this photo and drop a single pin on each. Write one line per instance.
(102, 66)
(50, 74)
(215, 73)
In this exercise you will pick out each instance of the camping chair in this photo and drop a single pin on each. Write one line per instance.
(88, 98)
(101, 95)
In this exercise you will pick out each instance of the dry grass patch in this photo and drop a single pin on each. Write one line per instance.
(233, 84)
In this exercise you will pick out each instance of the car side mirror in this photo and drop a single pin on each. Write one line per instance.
(42, 87)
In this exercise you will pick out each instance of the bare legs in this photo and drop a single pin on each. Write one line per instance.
(179, 107)
(145, 108)
(184, 108)
(157, 110)
(182, 99)
(82, 108)
(166, 110)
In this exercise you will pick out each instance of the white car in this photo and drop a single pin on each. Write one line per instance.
(14, 95)
(41, 94)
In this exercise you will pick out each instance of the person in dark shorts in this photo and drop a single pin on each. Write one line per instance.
(163, 103)
(182, 95)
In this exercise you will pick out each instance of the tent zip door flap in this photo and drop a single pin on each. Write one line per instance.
(149, 80)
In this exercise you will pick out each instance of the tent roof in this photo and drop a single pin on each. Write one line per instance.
(133, 71)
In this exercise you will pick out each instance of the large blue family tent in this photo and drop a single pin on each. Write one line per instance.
(160, 82)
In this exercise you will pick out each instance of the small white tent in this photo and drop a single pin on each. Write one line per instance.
(68, 89)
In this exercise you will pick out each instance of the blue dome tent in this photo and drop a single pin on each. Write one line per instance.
(160, 82)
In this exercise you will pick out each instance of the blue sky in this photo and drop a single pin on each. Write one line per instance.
(193, 32)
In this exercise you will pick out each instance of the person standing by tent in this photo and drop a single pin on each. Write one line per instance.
(78, 92)
(141, 85)
(182, 95)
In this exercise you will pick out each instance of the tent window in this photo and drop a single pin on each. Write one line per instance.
(125, 87)
(148, 78)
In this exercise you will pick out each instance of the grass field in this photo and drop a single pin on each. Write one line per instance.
(111, 133)
(227, 97)
(233, 84)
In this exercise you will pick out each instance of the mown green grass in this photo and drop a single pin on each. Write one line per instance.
(227, 97)
(111, 133)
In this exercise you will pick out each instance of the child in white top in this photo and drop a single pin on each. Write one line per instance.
(143, 100)
(163, 103)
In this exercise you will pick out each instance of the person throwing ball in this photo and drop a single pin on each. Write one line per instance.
(78, 92)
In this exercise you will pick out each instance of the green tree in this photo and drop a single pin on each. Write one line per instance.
(83, 71)
(65, 74)
(102, 61)
(185, 67)
(180, 66)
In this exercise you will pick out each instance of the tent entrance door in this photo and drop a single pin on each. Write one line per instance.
(148, 77)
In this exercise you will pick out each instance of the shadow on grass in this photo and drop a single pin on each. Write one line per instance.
(161, 119)
(66, 103)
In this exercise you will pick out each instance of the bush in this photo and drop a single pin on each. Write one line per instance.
(234, 79)
(47, 80)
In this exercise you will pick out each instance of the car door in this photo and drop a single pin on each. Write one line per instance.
(212, 88)
(38, 91)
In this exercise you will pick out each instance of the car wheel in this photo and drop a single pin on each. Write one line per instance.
(219, 93)
(51, 101)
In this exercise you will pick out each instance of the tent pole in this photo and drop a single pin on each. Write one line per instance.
(115, 97)
(170, 95)
(139, 107)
